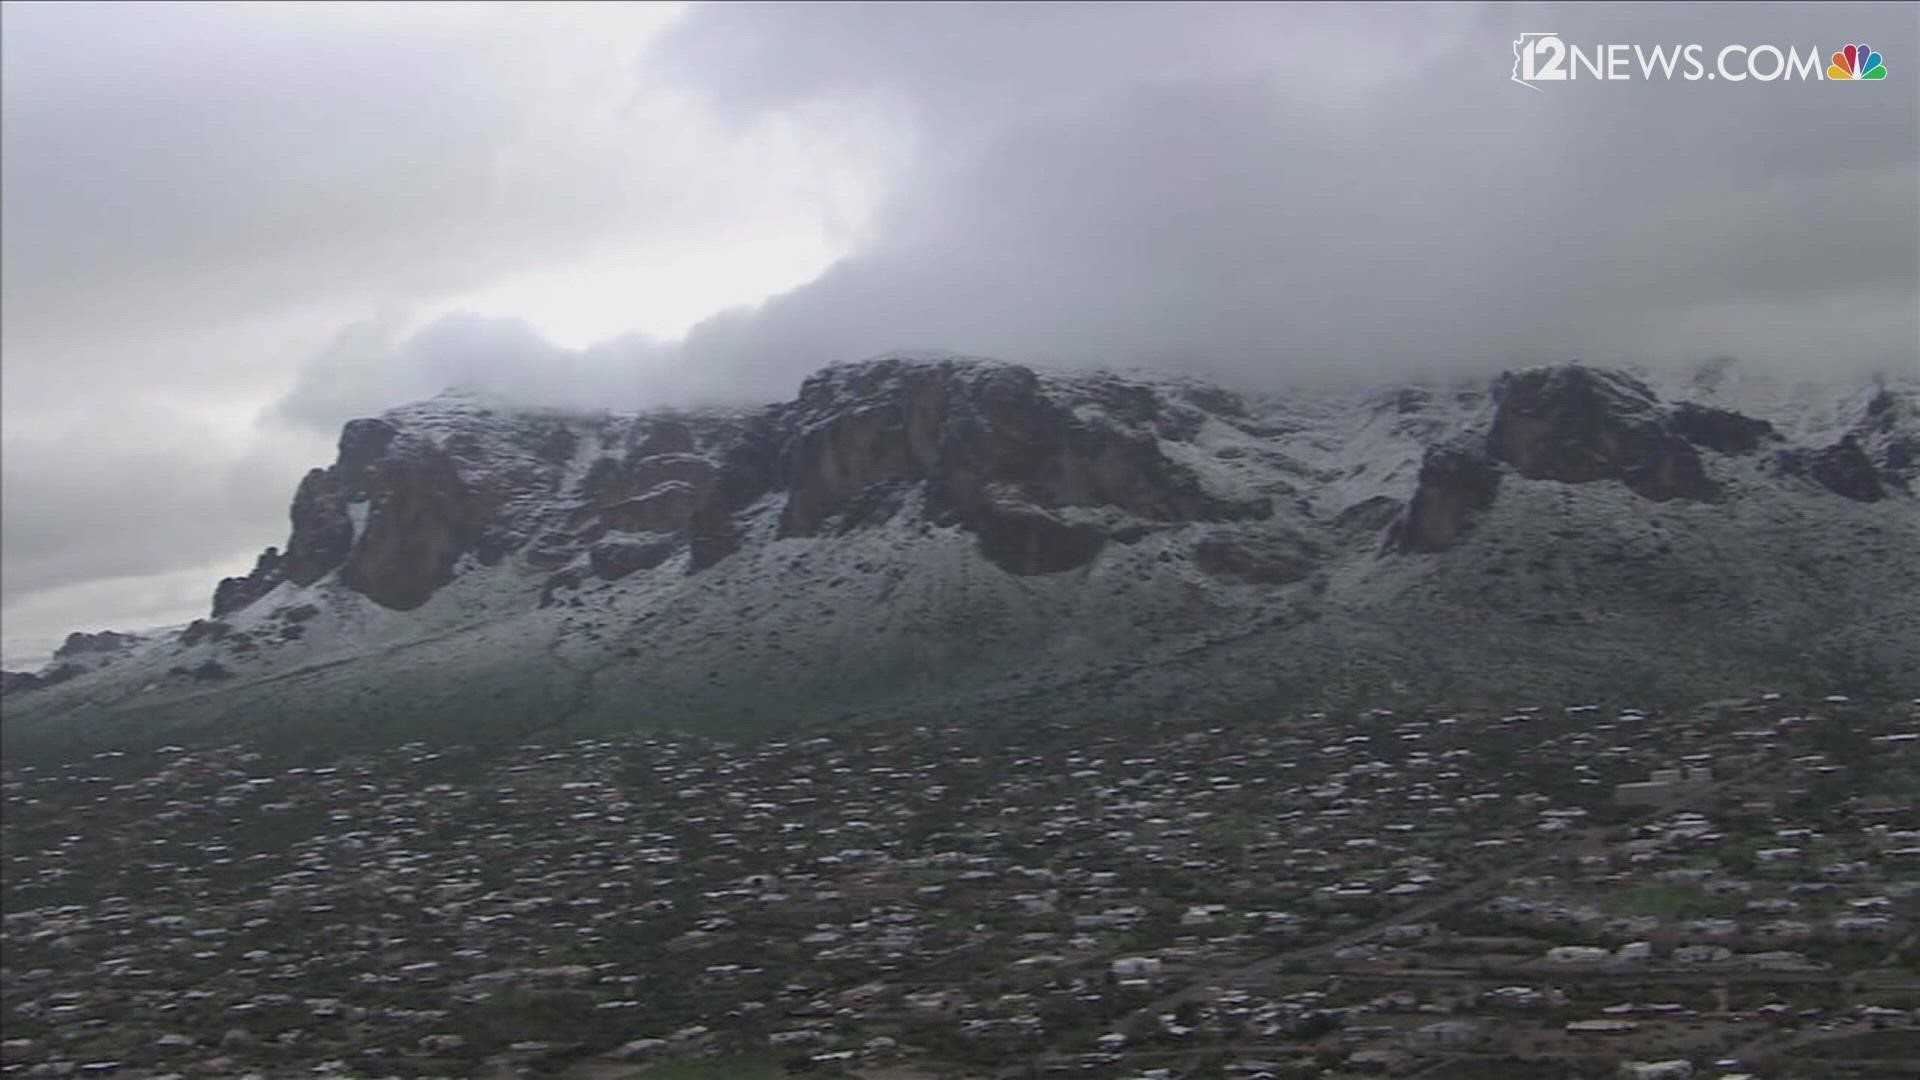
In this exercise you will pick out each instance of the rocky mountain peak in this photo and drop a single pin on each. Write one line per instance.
(1577, 425)
(926, 525)
(1580, 425)
(1043, 470)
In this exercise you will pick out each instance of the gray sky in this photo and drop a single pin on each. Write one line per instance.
(228, 229)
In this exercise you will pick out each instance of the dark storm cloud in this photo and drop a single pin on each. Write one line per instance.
(1226, 190)
(1250, 220)
(1252, 192)
(160, 146)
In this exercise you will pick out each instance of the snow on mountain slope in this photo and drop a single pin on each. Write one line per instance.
(928, 534)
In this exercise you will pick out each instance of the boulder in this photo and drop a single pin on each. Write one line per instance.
(298, 613)
(568, 579)
(1255, 558)
(205, 671)
(1368, 516)
(616, 558)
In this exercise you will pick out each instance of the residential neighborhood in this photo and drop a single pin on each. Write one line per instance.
(1311, 895)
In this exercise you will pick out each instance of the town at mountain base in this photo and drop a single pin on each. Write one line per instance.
(931, 535)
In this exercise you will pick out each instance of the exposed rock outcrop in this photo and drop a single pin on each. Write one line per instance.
(998, 453)
(1889, 434)
(1368, 516)
(612, 481)
(1024, 539)
(1578, 425)
(204, 630)
(205, 671)
(20, 682)
(667, 507)
(423, 517)
(568, 579)
(362, 442)
(1456, 484)
(1720, 430)
(103, 642)
(748, 467)
(615, 559)
(323, 534)
(1842, 468)
(1258, 558)
(1044, 471)
(235, 593)
(1040, 470)
(322, 531)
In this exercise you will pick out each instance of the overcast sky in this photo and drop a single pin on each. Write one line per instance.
(226, 230)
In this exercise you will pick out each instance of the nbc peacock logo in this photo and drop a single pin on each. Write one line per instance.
(1856, 63)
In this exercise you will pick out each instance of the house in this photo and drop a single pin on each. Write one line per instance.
(1601, 1027)
(1662, 783)
(1676, 1069)
(1702, 954)
(1133, 967)
(1448, 1033)
(1867, 927)
(1634, 952)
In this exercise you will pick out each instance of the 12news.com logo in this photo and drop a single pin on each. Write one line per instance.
(1547, 57)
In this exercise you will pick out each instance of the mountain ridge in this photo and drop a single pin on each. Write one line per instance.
(913, 532)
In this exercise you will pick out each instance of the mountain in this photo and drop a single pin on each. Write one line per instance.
(919, 536)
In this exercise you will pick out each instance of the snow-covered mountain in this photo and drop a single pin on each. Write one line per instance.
(922, 536)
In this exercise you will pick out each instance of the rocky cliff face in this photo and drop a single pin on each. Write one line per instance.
(1042, 472)
(1456, 485)
(913, 531)
(1889, 431)
(1842, 468)
(1044, 476)
(422, 516)
(1578, 425)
